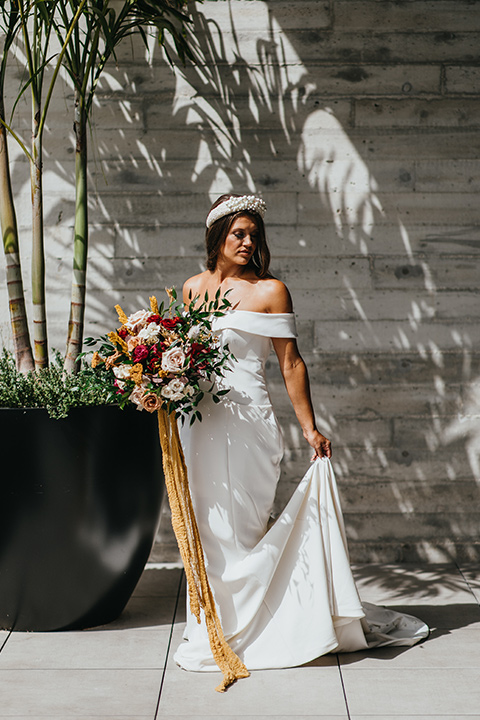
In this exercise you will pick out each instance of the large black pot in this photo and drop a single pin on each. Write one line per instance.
(79, 506)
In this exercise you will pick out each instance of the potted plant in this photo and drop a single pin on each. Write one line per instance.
(80, 504)
(82, 499)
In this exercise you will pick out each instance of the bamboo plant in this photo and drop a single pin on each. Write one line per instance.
(88, 33)
(10, 25)
(33, 20)
(37, 20)
(91, 45)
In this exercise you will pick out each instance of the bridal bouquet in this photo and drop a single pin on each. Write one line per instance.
(166, 357)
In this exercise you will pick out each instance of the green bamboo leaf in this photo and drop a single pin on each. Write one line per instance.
(17, 138)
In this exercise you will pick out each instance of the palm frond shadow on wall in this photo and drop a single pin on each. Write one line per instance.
(248, 114)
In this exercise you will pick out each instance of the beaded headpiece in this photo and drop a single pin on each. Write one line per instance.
(236, 204)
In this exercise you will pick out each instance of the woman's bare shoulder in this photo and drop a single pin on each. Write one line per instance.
(275, 296)
(194, 285)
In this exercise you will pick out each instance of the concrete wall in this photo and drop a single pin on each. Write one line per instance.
(358, 122)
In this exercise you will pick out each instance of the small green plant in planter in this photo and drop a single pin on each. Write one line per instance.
(78, 518)
(51, 388)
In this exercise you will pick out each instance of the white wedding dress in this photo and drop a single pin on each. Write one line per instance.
(285, 596)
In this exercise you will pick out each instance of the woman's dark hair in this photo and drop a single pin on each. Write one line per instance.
(218, 231)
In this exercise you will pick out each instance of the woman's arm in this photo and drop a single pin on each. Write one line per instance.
(295, 375)
(294, 371)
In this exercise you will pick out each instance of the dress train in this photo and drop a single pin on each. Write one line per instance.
(296, 598)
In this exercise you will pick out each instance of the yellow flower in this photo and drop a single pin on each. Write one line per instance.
(121, 315)
(154, 305)
(136, 373)
(96, 359)
(117, 340)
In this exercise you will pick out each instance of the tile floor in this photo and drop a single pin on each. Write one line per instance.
(125, 671)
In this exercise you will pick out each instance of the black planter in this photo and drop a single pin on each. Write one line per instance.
(79, 506)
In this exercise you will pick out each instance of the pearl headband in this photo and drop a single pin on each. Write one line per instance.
(236, 204)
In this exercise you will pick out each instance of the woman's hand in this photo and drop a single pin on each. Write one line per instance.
(321, 445)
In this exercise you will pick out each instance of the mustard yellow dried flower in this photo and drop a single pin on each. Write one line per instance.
(121, 315)
(117, 340)
(154, 305)
(96, 359)
(136, 373)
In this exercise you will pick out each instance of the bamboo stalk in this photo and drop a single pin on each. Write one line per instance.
(38, 251)
(16, 300)
(80, 243)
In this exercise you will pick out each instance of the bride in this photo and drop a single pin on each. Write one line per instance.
(284, 596)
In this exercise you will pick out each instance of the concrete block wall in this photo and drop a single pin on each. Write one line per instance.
(358, 122)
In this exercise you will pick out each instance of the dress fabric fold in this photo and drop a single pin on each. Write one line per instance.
(286, 595)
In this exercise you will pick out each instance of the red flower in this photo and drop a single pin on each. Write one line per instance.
(197, 349)
(170, 323)
(123, 332)
(154, 318)
(155, 352)
(119, 390)
(139, 353)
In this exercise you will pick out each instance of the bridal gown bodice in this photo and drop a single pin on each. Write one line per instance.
(284, 596)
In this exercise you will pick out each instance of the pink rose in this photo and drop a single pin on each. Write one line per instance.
(132, 343)
(136, 396)
(151, 402)
(173, 360)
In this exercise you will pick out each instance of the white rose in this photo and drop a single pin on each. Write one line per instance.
(173, 360)
(138, 319)
(136, 395)
(175, 390)
(149, 334)
(122, 372)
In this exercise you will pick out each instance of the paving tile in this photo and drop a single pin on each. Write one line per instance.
(443, 649)
(318, 714)
(67, 717)
(130, 648)
(266, 693)
(447, 617)
(159, 580)
(329, 660)
(413, 691)
(410, 584)
(79, 693)
(145, 612)
(423, 716)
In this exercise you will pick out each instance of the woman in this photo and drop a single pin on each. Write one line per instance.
(285, 596)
